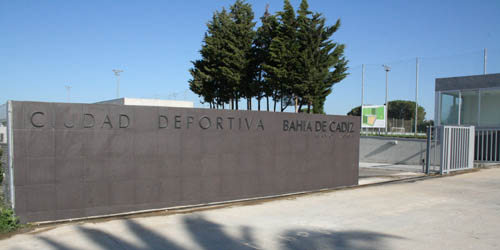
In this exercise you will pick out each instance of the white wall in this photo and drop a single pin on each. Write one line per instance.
(150, 102)
(158, 103)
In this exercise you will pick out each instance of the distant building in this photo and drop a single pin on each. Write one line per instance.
(149, 102)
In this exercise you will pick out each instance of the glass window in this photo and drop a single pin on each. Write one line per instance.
(468, 109)
(490, 108)
(449, 108)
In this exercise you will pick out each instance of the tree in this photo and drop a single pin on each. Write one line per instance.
(262, 43)
(241, 70)
(304, 63)
(290, 58)
(422, 127)
(282, 64)
(209, 74)
(222, 74)
(202, 84)
(322, 62)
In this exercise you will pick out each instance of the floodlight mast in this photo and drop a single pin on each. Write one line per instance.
(387, 69)
(68, 90)
(117, 74)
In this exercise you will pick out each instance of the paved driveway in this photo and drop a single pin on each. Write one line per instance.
(455, 212)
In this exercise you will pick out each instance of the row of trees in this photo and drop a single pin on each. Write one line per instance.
(289, 59)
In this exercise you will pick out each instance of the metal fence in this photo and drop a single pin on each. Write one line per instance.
(487, 146)
(450, 148)
(400, 125)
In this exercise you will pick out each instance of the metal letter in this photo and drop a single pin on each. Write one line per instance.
(107, 121)
(70, 125)
(91, 124)
(260, 125)
(37, 125)
(189, 121)
(285, 125)
(177, 121)
(121, 121)
(160, 124)
(201, 124)
(219, 123)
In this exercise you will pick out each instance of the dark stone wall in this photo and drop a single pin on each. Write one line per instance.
(78, 160)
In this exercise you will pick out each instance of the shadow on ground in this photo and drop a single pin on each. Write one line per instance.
(209, 235)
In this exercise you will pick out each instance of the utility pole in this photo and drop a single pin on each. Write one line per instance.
(362, 93)
(387, 69)
(362, 85)
(416, 97)
(68, 91)
(117, 74)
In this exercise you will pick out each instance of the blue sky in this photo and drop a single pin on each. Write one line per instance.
(45, 45)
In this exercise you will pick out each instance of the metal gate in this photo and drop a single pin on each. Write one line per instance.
(450, 148)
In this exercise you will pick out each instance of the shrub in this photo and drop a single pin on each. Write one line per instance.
(8, 221)
(1, 168)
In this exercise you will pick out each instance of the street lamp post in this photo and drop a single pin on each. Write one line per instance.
(387, 69)
(117, 74)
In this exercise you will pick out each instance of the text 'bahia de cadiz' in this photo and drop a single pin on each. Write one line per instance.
(317, 126)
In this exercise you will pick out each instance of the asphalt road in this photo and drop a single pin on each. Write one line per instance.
(454, 212)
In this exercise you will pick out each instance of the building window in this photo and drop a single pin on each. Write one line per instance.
(449, 108)
(490, 108)
(469, 107)
(1, 137)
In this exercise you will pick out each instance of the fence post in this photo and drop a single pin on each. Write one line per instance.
(427, 152)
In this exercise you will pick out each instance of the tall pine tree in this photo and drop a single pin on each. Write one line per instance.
(242, 34)
(292, 58)
(321, 61)
(208, 78)
(223, 73)
(260, 56)
(281, 68)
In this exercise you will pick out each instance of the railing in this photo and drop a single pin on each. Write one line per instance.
(487, 146)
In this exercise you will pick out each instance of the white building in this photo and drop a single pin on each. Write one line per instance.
(472, 101)
(149, 102)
